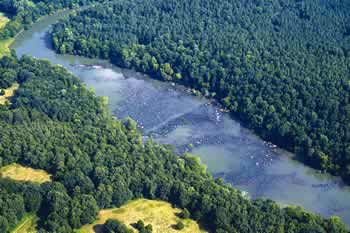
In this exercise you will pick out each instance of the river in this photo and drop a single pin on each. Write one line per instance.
(193, 124)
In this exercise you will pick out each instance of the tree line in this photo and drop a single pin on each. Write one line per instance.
(23, 12)
(281, 67)
(57, 124)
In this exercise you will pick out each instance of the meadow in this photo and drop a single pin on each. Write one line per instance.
(4, 44)
(20, 173)
(161, 215)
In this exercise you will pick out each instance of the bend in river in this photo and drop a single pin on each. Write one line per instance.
(194, 124)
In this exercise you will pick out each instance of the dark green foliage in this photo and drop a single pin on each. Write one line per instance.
(140, 226)
(12, 209)
(148, 229)
(115, 226)
(8, 77)
(55, 123)
(179, 226)
(184, 214)
(84, 210)
(282, 67)
(15, 201)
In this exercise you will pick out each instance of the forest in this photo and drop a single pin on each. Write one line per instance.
(281, 67)
(57, 124)
(23, 12)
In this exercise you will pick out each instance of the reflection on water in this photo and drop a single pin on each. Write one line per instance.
(196, 125)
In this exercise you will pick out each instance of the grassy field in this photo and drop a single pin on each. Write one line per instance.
(27, 225)
(4, 44)
(160, 214)
(20, 173)
(8, 93)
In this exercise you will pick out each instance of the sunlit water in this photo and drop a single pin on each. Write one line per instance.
(193, 124)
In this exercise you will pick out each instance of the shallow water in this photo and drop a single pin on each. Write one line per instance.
(193, 124)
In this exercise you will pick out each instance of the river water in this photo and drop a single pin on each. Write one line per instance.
(193, 124)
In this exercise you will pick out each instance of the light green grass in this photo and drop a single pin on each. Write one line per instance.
(27, 224)
(160, 214)
(20, 173)
(4, 44)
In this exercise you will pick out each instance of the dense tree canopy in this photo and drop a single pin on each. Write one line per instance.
(23, 12)
(115, 226)
(55, 123)
(282, 67)
(15, 201)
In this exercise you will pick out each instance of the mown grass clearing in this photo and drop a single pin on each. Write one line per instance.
(20, 173)
(9, 92)
(160, 214)
(4, 44)
(27, 224)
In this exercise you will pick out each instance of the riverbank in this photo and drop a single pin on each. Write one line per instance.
(4, 44)
(175, 117)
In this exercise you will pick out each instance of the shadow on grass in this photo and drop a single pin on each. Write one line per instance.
(98, 228)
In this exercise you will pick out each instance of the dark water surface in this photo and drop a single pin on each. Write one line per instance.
(193, 124)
